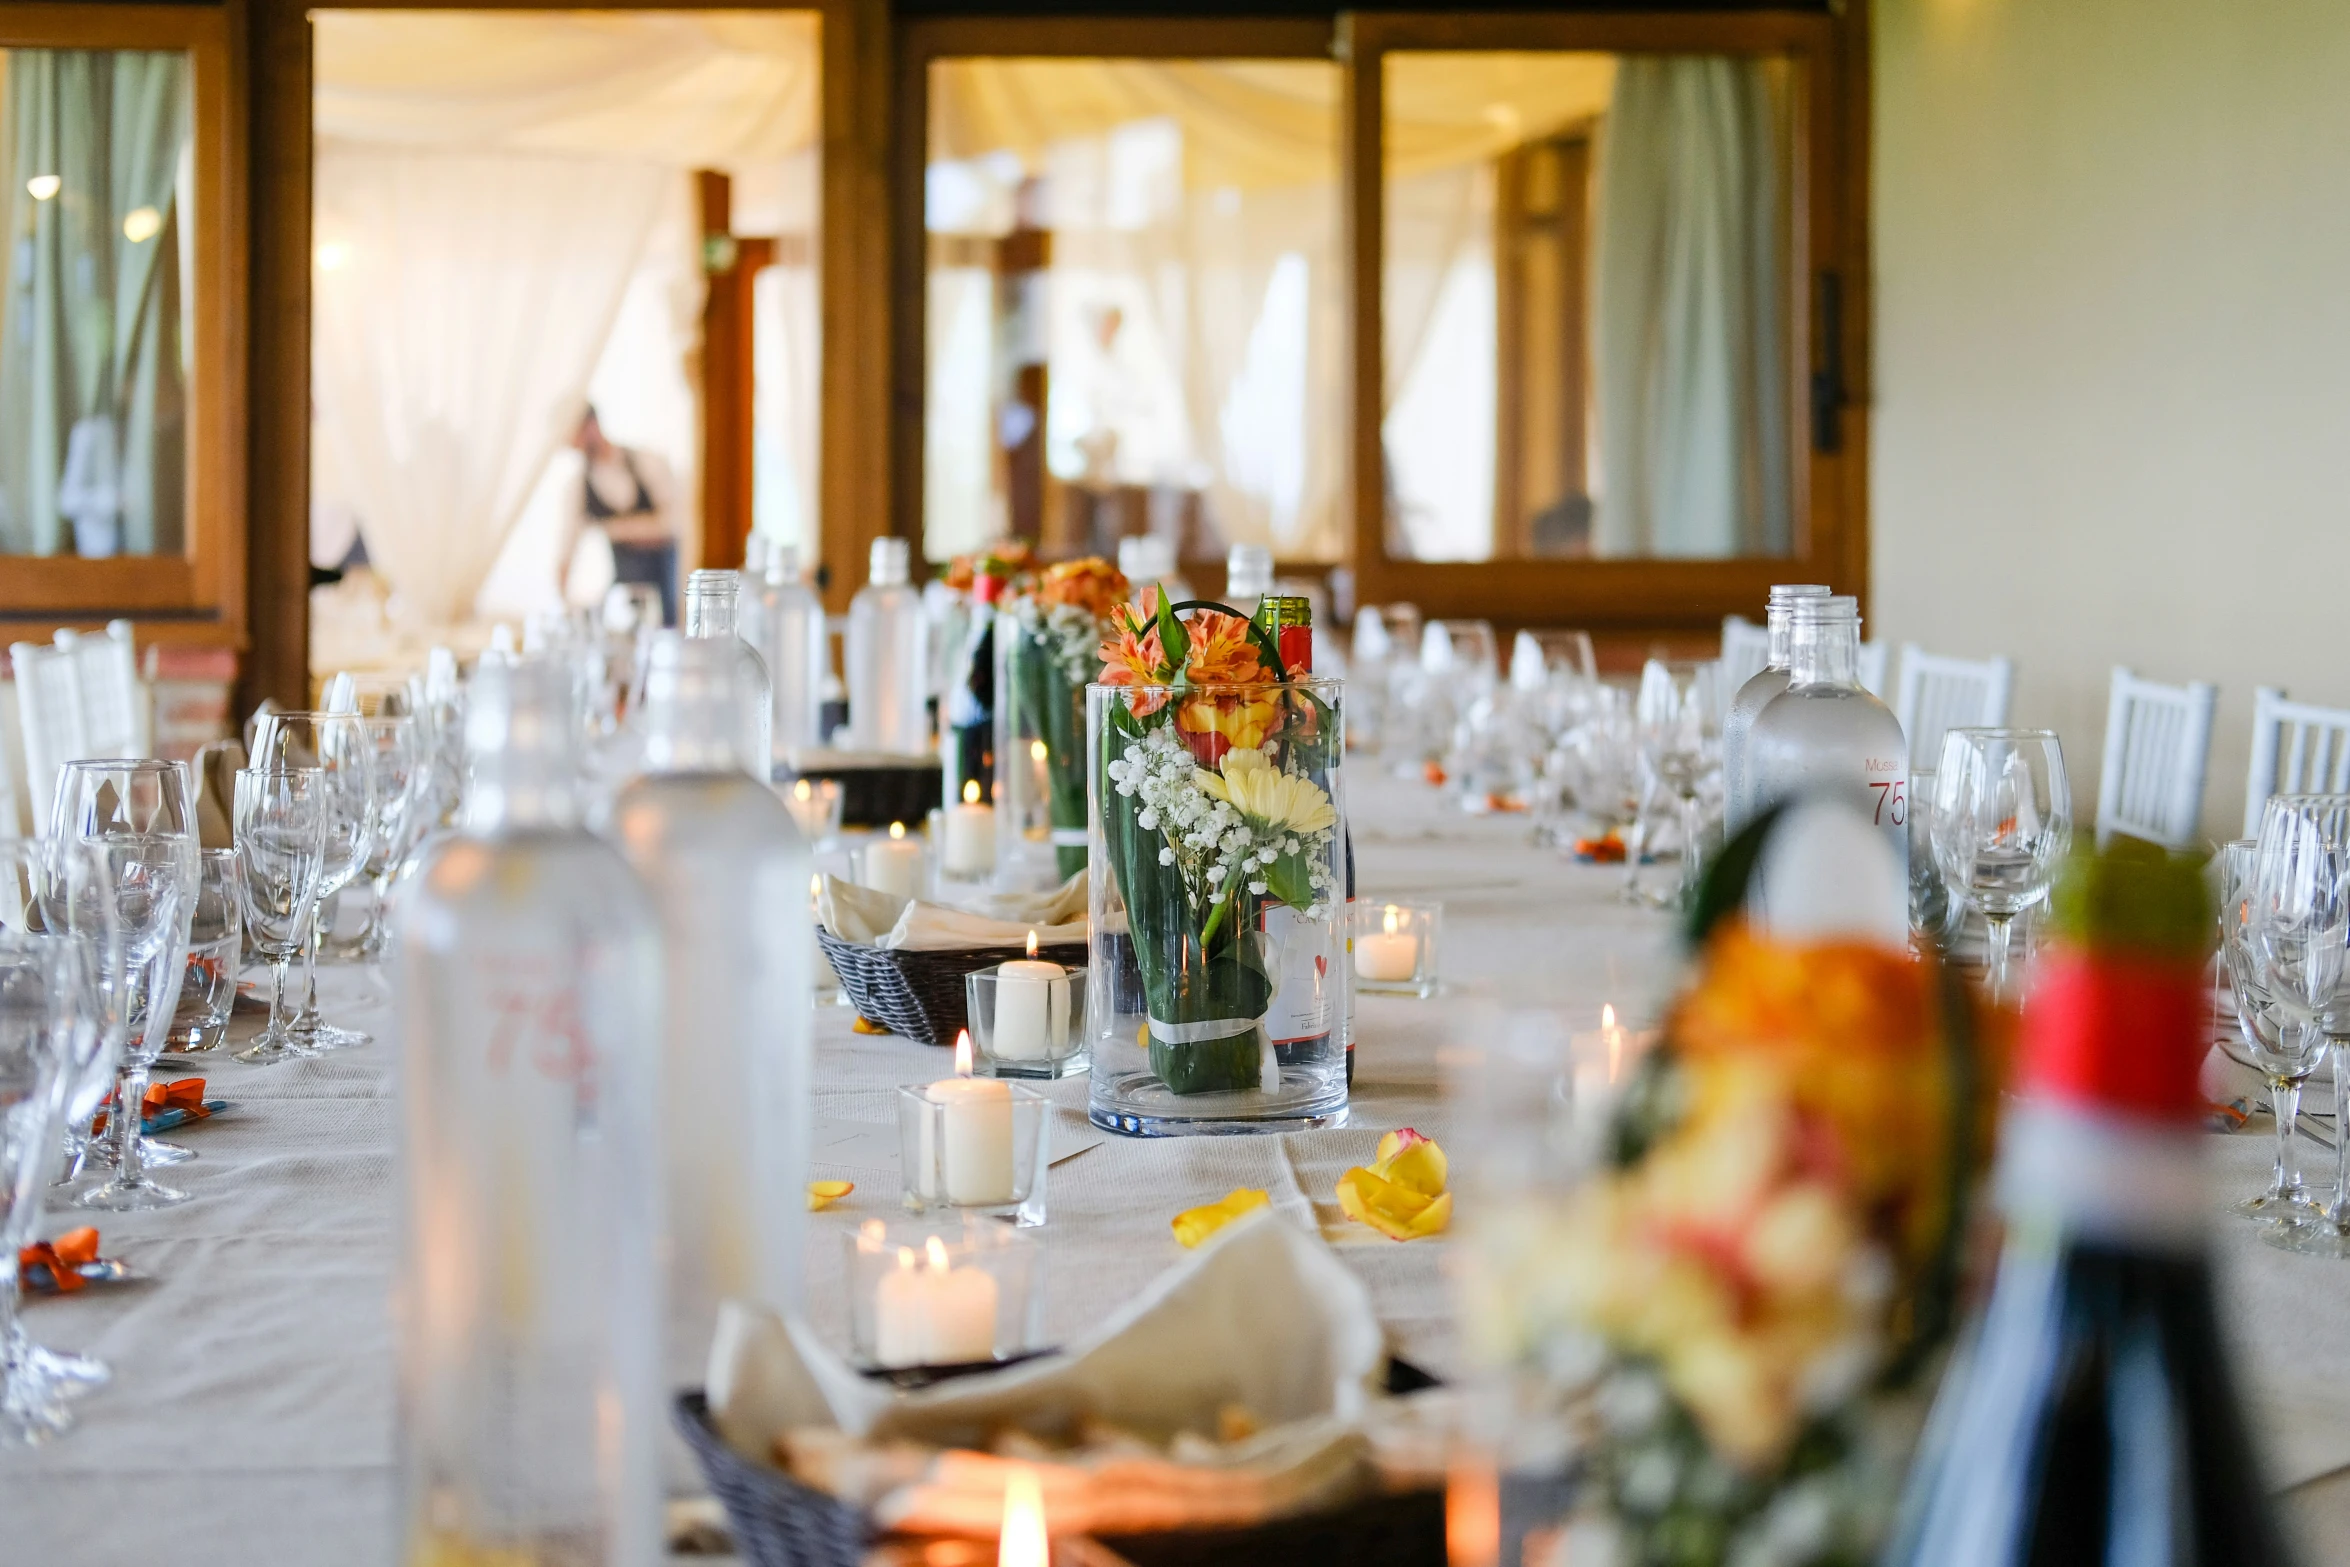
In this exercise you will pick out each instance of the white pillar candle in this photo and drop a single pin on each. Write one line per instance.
(894, 864)
(1388, 956)
(970, 835)
(970, 1161)
(1031, 1008)
(927, 1312)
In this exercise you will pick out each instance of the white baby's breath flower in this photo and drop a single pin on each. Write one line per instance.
(1166, 856)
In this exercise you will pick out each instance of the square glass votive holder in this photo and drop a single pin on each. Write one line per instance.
(977, 1144)
(815, 805)
(929, 1295)
(1395, 947)
(1027, 1019)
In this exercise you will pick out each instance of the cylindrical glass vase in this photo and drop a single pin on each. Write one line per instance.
(1217, 828)
(1041, 673)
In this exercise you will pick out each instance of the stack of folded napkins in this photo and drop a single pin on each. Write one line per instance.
(1232, 1391)
(883, 919)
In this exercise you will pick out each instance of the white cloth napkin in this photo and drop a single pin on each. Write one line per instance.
(883, 919)
(1233, 1389)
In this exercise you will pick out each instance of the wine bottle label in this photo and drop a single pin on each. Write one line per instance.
(1305, 976)
(2111, 1177)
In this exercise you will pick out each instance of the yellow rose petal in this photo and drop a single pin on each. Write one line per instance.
(1194, 1225)
(1394, 1211)
(1417, 1166)
(823, 1194)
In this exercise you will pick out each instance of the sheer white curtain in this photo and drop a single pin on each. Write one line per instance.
(460, 303)
(1688, 319)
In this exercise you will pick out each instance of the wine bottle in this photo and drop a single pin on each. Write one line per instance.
(2092, 1415)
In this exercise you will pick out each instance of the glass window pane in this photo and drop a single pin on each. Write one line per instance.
(96, 198)
(1135, 308)
(1587, 265)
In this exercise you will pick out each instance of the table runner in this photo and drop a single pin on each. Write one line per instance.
(249, 1421)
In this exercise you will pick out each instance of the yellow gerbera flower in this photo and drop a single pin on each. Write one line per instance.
(1272, 800)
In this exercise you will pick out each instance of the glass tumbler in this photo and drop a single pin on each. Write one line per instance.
(977, 1144)
(925, 1297)
(216, 943)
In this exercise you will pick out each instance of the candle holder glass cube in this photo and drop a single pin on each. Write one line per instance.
(977, 1145)
(815, 805)
(930, 1296)
(1394, 947)
(1027, 1023)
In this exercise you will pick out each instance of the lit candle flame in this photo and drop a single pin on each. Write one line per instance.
(970, 791)
(1615, 1041)
(905, 1259)
(897, 829)
(936, 1250)
(1032, 943)
(1037, 752)
(803, 790)
(963, 1052)
(1607, 1015)
(1393, 915)
(872, 1235)
(1023, 1542)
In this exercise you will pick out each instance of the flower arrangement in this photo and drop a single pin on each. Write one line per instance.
(1061, 614)
(1221, 831)
(1006, 560)
(1771, 1254)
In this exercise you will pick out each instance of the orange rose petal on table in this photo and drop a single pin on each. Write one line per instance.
(823, 1194)
(1194, 1225)
(861, 1026)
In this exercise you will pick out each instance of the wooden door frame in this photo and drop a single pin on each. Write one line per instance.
(1830, 187)
(854, 54)
(197, 596)
(920, 41)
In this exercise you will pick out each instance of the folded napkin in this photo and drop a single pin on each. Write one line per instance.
(1233, 1390)
(883, 919)
(168, 1105)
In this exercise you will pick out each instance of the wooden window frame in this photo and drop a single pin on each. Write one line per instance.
(920, 41)
(1830, 230)
(197, 596)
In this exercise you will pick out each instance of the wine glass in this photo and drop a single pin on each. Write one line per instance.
(337, 745)
(141, 815)
(63, 892)
(35, 1003)
(402, 769)
(282, 827)
(2284, 1055)
(2300, 930)
(2003, 820)
(1680, 730)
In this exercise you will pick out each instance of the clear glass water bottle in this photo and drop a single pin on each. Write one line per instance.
(888, 659)
(713, 606)
(784, 622)
(1752, 698)
(1825, 734)
(729, 875)
(528, 1286)
(1248, 577)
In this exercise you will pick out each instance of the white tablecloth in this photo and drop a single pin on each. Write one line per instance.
(249, 1421)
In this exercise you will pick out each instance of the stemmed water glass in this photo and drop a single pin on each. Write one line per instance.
(1680, 729)
(142, 816)
(2301, 932)
(2003, 819)
(402, 771)
(62, 892)
(2283, 1054)
(337, 745)
(36, 983)
(282, 820)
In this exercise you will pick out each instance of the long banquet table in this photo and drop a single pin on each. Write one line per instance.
(249, 1421)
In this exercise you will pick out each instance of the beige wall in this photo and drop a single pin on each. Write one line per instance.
(2112, 416)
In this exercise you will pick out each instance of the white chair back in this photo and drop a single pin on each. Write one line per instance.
(1872, 674)
(1746, 649)
(2297, 748)
(1939, 694)
(50, 715)
(13, 822)
(2157, 747)
(117, 710)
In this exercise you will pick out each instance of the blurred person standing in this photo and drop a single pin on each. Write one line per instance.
(631, 495)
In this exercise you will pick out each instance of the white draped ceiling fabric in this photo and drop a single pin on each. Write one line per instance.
(486, 185)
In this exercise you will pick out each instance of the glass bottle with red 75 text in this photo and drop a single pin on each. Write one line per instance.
(528, 1284)
(1825, 735)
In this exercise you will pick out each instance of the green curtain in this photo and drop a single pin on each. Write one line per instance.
(93, 325)
(1689, 329)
